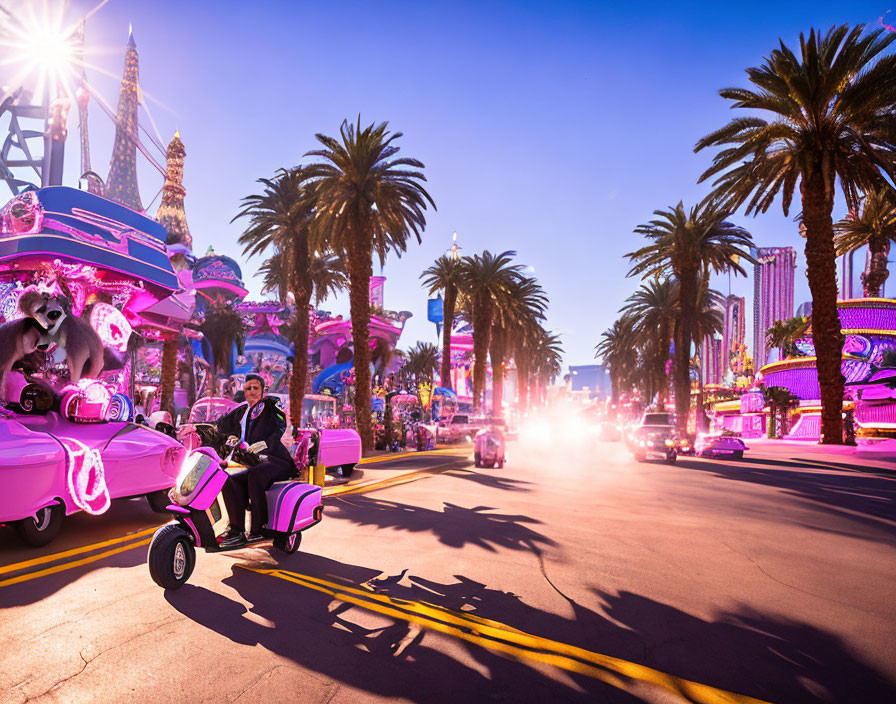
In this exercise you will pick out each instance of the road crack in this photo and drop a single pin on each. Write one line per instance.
(793, 586)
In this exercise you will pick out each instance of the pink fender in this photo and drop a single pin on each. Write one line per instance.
(293, 506)
(32, 472)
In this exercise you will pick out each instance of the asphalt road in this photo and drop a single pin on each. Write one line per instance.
(573, 574)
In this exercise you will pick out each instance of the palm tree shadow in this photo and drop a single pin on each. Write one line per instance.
(454, 526)
(492, 481)
(743, 651)
(380, 654)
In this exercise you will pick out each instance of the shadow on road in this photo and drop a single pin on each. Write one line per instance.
(492, 481)
(454, 525)
(864, 498)
(382, 655)
(80, 529)
(746, 653)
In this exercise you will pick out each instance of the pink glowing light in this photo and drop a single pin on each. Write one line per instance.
(884, 24)
(23, 215)
(111, 325)
(86, 477)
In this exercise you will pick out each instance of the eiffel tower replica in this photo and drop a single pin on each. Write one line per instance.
(171, 212)
(121, 186)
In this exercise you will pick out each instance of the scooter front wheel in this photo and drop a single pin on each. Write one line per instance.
(172, 557)
(288, 543)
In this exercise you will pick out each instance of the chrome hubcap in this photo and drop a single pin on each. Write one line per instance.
(180, 560)
(42, 519)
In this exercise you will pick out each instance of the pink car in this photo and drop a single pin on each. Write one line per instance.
(51, 466)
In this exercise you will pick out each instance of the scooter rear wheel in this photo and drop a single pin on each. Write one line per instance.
(40, 529)
(172, 557)
(288, 543)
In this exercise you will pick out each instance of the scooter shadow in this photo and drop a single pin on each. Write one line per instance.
(375, 653)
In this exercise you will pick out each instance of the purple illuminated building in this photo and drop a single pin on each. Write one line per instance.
(713, 366)
(772, 294)
(734, 330)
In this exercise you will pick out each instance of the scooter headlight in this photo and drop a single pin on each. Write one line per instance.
(191, 473)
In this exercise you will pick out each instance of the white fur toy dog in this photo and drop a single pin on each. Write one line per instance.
(83, 348)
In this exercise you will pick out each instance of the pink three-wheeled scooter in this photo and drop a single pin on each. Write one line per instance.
(200, 515)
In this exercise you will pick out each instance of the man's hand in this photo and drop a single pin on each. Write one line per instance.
(258, 446)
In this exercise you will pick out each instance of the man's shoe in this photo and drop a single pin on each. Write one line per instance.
(251, 537)
(231, 538)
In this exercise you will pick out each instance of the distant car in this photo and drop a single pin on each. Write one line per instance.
(461, 428)
(654, 435)
(720, 445)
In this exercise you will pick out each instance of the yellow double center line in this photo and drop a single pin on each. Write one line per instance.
(511, 641)
(144, 537)
(56, 557)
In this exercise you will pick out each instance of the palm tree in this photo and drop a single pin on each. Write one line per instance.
(709, 322)
(325, 270)
(547, 357)
(525, 302)
(689, 245)
(779, 399)
(784, 334)
(874, 227)
(367, 200)
(487, 280)
(522, 344)
(278, 219)
(655, 307)
(444, 275)
(223, 327)
(831, 117)
(616, 350)
(422, 361)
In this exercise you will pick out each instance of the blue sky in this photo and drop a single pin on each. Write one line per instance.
(549, 128)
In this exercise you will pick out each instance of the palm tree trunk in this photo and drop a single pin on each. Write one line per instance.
(522, 380)
(191, 378)
(661, 379)
(360, 269)
(497, 351)
(688, 298)
(448, 321)
(482, 328)
(301, 284)
(817, 201)
(168, 375)
(877, 273)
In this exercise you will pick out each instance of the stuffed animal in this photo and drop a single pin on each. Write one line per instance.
(18, 339)
(83, 348)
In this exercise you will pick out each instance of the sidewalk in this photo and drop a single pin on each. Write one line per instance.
(873, 456)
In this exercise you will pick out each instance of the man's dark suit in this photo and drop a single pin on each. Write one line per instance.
(265, 423)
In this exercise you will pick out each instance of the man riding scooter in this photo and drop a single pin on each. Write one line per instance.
(260, 424)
